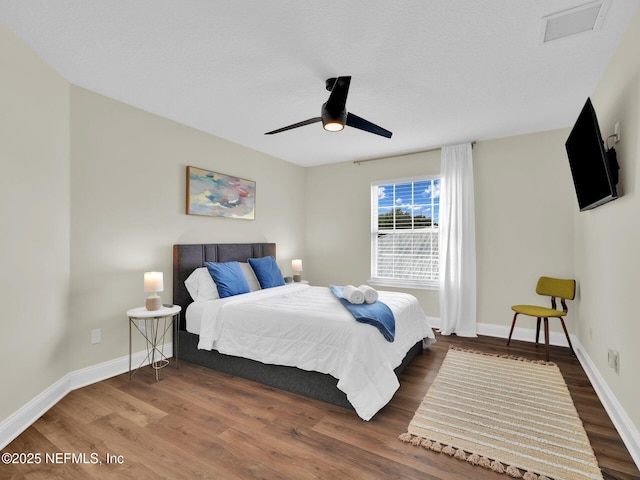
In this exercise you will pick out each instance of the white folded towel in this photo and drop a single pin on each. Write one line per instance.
(370, 293)
(353, 295)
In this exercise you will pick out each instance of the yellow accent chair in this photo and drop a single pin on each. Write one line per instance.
(554, 288)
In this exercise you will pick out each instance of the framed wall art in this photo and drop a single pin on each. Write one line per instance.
(218, 195)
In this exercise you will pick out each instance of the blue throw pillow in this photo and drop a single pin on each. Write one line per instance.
(228, 277)
(267, 271)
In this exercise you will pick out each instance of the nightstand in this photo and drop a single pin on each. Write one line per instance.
(156, 325)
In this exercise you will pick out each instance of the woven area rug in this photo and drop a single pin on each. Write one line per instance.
(511, 415)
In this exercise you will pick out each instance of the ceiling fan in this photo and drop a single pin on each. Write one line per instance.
(334, 115)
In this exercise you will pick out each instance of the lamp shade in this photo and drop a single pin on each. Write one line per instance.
(296, 265)
(153, 282)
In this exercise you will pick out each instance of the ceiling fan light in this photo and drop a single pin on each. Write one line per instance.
(333, 126)
(332, 120)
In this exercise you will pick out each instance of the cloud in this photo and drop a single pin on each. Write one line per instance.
(433, 190)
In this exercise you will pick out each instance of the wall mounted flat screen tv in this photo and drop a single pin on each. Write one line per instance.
(594, 169)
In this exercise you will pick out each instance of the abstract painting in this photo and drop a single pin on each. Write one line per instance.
(218, 195)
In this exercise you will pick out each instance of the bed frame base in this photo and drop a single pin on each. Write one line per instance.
(320, 386)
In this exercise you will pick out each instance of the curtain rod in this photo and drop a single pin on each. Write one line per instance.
(435, 149)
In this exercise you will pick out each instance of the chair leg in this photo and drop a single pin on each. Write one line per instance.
(546, 337)
(513, 324)
(537, 330)
(567, 335)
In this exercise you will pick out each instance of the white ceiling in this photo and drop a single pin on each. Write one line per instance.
(434, 72)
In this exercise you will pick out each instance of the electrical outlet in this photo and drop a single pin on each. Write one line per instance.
(142, 326)
(96, 336)
(614, 360)
(616, 131)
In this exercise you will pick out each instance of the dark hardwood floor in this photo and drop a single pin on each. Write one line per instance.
(198, 423)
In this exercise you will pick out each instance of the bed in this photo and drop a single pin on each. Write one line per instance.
(242, 340)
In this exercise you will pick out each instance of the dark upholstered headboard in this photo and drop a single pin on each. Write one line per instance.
(186, 258)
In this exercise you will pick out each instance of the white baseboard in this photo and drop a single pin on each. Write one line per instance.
(625, 427)
(501, 331)
(523, 334)
(17, 423)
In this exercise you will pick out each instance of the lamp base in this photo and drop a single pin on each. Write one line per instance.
(154, 302)
(297, 277)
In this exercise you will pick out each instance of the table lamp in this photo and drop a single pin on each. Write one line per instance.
(296, 266)
(153, 284)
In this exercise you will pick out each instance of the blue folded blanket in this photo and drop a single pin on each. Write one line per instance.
(377, 314)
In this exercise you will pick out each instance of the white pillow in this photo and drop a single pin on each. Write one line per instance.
(200, 285)
(249, 274)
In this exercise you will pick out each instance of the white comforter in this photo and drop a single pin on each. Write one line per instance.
(307, 327)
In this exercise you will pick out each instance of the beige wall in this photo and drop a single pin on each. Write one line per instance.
(524, 228)
(524, 224)
(339, 219)
(607, 240)
(128, 193)
(34, 198)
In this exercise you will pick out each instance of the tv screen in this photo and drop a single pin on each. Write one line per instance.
(594, 169)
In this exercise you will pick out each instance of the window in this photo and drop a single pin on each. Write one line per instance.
(404, 232)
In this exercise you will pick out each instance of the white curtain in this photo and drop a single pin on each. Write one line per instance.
(457, 242)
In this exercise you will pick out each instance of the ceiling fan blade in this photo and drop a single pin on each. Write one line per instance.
(295, 125)
(338, 98)
(362, 124)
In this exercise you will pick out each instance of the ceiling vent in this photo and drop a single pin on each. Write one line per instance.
(584, 18)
